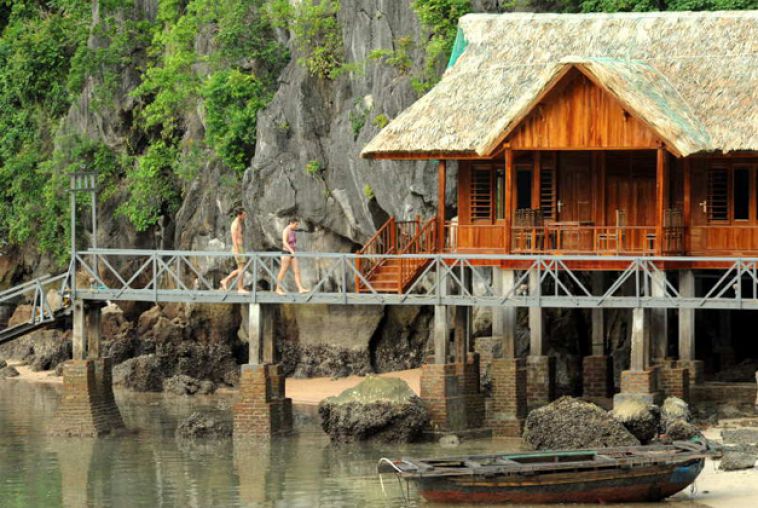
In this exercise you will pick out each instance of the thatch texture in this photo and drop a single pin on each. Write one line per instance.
(693, 77)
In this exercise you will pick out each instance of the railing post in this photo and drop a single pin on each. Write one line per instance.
(441, 185)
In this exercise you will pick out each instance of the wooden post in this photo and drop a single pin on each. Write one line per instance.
(441, 185)
(508, 222)
(536, 179)
(687, 205)
(661, 188)
(601, 190)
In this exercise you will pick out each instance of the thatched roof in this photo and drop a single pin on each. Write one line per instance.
(692, 77)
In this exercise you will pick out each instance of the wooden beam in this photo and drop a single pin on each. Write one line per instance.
(687, 204)
(536, 180)
(441, 185)
(601, 191)
(509, 201)
(661, 188)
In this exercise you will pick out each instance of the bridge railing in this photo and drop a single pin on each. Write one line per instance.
(450, 279)
(35, 294)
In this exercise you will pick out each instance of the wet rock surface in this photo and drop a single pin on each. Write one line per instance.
(639, 418)
(42, 349)
(569, 423)
(186, 385)
(736, 460)
(8, 371)
(378, 409)
(141, 374)
(204, 426)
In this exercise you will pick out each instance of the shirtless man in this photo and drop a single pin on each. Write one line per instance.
(289, 244)
(238, 234)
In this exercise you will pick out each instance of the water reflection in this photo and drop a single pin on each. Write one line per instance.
(150, 468)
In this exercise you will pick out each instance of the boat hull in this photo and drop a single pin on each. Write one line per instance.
(639, 484)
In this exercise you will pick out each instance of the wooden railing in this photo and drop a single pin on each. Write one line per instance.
(563, 239)
(727, 239)
(424, 242)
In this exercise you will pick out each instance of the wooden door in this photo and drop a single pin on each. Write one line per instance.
(575, 187)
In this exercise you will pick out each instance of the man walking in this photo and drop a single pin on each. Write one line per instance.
(238, 236)
(289, 246)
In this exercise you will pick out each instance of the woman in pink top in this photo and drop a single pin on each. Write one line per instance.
(289, 244)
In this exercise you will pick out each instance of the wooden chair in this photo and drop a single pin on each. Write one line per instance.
(529, 224)
(614, 239)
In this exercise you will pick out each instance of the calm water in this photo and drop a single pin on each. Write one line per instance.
(149, 467)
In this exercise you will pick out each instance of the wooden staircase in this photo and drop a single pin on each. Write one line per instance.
(392, 274)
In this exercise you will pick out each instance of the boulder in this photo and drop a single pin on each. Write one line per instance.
(21, 315)
(674, 408)
(54, 299)
(204, 426)
(741, 437)
(8, 371)
(639, 417)
(187, 385)
(681, 430)
(113, 324)
(736, 460)
(379, 409)
(569, 423)
(141, 374)
(3, 363)
(51, 348)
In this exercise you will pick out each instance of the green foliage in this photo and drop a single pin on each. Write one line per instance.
(358, 117)
(317, 34)
(662, 5)
(152, 191)
(232, 102)
(381, 120)
(399, 57)
(439, 18)
(368, 192)
(313, 168)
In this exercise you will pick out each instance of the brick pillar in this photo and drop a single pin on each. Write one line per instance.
(469, 383)
(262, 410)
(674, 379)
(597, 376)
(540, 380)
(443, 396)
(508, 409)
(641, 379)
(695, 369)
(87, 408)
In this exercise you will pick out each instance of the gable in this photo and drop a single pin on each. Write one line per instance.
(576, 114)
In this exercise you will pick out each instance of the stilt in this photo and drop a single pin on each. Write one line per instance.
(87, 408)
(641, 378)
(262, 410)
(659, 320)
(687, 356)
(540, 377)
(441, 335)
(504, 318)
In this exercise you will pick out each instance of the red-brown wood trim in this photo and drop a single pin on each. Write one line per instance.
(441, 184)
(661, 188)
(509, 201)
(687, 203)
(536, 180)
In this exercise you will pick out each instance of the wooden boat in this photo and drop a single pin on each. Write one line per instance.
(612, 475)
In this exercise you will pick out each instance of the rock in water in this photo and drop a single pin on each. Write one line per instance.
(639, 418)
(569, 423)
(681, 430)
(379, 408)
(735, 460)
(203, 426)
(8, 371)
(141, 374)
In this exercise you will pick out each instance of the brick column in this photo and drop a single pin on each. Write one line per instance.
(87, 408)
(674, 379)
(443, 396)
(540, 380)
(597, 374)
(469, 379)
(641, 380)
(262, 410)
(508, 409)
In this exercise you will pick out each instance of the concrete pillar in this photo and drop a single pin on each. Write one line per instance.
(462, 335)
(79, 332)
(641, 379)
(687, 358)
(441, 335)
(504, 318)
(659, 319)
(92, 324)
(536, 342)
(260, 334)
(640, 356)
(598, 316)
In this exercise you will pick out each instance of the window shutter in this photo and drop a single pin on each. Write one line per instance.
(481, 192)
(718, 194)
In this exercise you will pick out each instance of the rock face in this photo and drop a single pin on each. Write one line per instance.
(42, 349)
(21, 315)
(735, 460)
(141, 374)
(8, 371)
(639, 418)
(203, 426)
(380, 409)
(569, 423)
(186, 385)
